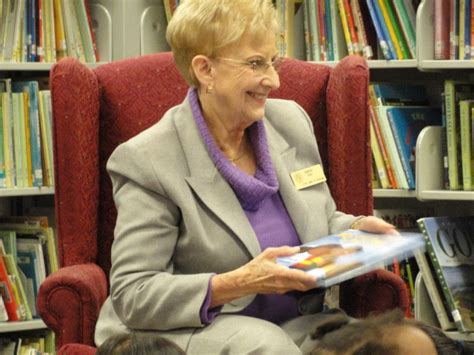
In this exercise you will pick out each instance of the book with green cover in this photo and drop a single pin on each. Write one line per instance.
(466, 108)
(406, 25)
(450, 247)
(455, 91)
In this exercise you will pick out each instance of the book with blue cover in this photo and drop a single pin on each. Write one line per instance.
(401, 94)
(406, 124)
(348, 254)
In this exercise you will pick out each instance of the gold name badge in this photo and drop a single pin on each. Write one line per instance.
(308, 176)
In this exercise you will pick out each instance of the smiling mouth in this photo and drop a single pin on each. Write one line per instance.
(258, 96)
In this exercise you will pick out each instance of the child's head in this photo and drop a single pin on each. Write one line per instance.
(138, 344)
(386, 334)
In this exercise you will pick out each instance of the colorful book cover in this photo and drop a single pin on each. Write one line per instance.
(6, 292)
(399, 37)
(343, 256)
(386, 51)
(407, 27)
(449, 245)
(345, 26)
(407, 123)
(384, 26)
(360, 29)
(352, 29)
(32, 88)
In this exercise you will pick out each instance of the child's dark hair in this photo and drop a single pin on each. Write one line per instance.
(138, 344)
(375, 335)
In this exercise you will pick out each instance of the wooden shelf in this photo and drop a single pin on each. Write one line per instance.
(22, 326)
(26, 191)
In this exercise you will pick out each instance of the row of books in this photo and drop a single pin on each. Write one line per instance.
(28, 254)
(458, 152)
(41, 343)
(333, 29)
(398, 113)
(46, 31)
(26, 149)
(453, 29)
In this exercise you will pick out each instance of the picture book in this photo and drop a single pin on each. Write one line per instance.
(406, 124)
(342, 256)
(449, 245)
(393, 94)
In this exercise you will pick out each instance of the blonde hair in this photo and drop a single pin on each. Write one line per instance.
(207, 26)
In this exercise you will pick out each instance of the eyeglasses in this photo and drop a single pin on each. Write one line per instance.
(259, 66)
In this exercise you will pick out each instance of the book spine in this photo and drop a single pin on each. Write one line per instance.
(352, 29)
(328, 30)
(361, 33)
(462, 29)
(467, 30)
(406, 26)
(377, 155)
(60, 36)
(451, 135)
(454, 30)
(465, 107)
(398, 142)
(379, 31)
(322, 30)
(307, 40)
(439, 274)
(313, 30)
(433, 292)
(392, 37)
(441, 29)
(399, 37)
(345, 26)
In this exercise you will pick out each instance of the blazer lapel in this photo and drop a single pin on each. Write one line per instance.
(208, 184)
(284, 157)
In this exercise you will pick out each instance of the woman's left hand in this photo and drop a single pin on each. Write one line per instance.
(373, 224)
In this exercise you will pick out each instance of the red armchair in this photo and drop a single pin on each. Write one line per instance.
(95, 110)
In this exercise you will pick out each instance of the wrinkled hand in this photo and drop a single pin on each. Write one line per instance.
(373, 224)
(261, 275)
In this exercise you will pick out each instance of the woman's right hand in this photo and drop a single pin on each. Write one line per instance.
(261, 275)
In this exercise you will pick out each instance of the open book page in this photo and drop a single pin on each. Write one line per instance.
(339, 257)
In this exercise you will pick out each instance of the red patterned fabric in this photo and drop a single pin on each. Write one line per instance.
(95, 110)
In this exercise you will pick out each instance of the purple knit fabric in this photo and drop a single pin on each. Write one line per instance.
(263, 206)
(250, 190)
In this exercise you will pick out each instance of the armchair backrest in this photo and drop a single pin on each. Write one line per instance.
(95, 110)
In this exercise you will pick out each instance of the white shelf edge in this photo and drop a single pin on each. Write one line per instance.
(392, 64)
(36, 66)
(393, 193)
(446, 64)
(26, 191)
(35, 324)
(446, 195)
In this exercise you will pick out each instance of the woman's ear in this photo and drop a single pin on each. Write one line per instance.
(202, 67)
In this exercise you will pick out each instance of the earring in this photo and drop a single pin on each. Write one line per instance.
(210, 89)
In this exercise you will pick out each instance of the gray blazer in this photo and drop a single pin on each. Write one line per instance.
(179, 221)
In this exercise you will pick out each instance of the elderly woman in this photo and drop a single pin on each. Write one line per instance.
(206, 203)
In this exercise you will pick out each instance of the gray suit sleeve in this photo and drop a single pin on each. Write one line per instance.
(144, 291)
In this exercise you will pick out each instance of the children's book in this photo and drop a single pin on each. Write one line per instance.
(343, 256)
(449, 246)
(406, 124)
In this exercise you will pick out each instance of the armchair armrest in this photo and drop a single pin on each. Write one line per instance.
(69, 302)
(375, 292)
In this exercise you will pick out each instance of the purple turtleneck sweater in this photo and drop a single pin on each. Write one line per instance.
(262, 203)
